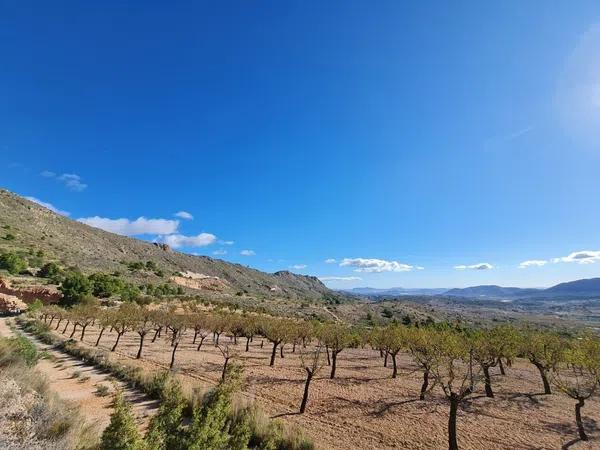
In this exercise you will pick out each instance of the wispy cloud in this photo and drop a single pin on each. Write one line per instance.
(184, 215)
(226, 242)
(135, 227)
(580, 257)
(330, 261)
(71, 180)
(479, 266)
(247, 253)
(533, 263)
(340, 278)
(372, 265)
(179, 240)
(220, 252)
(49, 206)
(298, 266)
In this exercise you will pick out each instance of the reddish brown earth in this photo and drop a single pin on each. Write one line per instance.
(363, 408)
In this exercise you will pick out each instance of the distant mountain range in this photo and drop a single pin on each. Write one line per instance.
(579, 288)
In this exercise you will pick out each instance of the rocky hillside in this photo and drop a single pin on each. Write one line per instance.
(32, 226)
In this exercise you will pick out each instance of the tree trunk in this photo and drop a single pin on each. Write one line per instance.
(116, 342)
(83, 332)
(281, 350)
(328, 357)
(273, 354)
(201, 341)
(155, 335)
(452, 441)
(488, 382)
(305, 396)
(217, 341)
(542, 371)
(294, 347)
(195, 336)
(139, 353)
(385, 359)
(50, 324)
(501, 365)
(174, 337)
(333, 364)
(248, 343)
(57, 325)
(394, 365)
(173, 355)
(578, 406)
(425, 384)
(262, 342)
(224, 369)
(99, 336)
(65, 328)
(73, 332)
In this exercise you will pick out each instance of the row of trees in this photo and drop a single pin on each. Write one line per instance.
(455, 359)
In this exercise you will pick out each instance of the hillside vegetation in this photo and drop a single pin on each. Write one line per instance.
(27, 226)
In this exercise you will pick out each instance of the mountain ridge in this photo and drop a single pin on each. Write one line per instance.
(34, 226)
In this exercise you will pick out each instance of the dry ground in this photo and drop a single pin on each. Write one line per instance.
(364, 408)
(60, 372)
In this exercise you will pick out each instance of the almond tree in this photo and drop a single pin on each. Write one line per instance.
(454, 372)
(142, 324)
(543, 349)
(122, 321)
(250, 328)
(178, 324)
(486, 353)
(506, 342)
(311, 363)
(422, 352)
(577, 374)
(104, 320)
(228, 352)
(336, 337)
(394, 340)
(275, 330)
(200, 322)
(85, 315)
(218, 326)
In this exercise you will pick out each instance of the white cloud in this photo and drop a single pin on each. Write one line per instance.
(480, 266)
(128, 227)
(72, 181)
(184, 215)
(340, 278)
(330, 261)
(581, 257)
(220, 252)
(179, 240)
(226, 242)
(247, 253)
(371, 265)
(50, 206)
(533, 263)
(298, 266)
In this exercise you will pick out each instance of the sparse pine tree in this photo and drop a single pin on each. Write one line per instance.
(164, 431)
(122, 432)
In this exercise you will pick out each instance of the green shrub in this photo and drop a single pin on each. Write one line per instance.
(122, 432)
(13, 263)
(75, 286)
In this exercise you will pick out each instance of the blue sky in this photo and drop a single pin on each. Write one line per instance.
(401, 140)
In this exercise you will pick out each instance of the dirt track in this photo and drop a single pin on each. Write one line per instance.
(364, 408)
(61, 375)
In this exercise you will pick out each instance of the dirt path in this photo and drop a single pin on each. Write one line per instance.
(74, 381)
